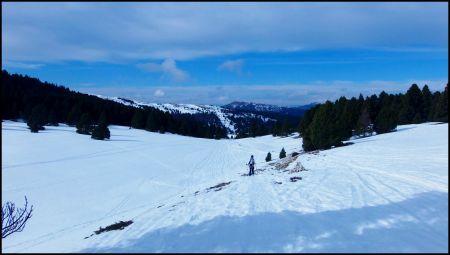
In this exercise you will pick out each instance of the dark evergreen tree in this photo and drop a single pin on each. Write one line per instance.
(285, 128)
(219, 133)
(373, 106)
(37, 118)
(386, 120)
(138, 120)
(151, 123)
(441, 111)
(253, 129)
(282, 153)
(162, 129)
(307, 119)
(411, 108)
(268, 157)
(74, 114)
(427, 99)
(364, 123)
(276, 131)
(84, 125)
(323, 133)
(52, 120)
(101, 131)
(306, 141)
(343, 115)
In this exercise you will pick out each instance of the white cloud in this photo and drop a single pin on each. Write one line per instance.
(42, 32)
(22, 65)
(159, 93)
(234, 66)
(168, 68)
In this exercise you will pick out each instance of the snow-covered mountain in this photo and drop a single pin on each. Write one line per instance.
(385, 193)
(231, 120)
(254, 107)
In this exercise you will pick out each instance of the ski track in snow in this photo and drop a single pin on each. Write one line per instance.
(383, 193)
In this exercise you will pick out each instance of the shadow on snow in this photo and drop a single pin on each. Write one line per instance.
(419, 224)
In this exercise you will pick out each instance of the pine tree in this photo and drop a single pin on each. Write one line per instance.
(138, 120)
(74, 114)
(441, 111)
(427, 101)
(386, 120)
(151, 124)
(306, 141)
(219, 133)
(268, 157)
(84, 125)
(322, 128)
(307, 119)
(364, 122)
(52, 118)
(253, 129)
(285, 128)
(411, 107)
(282, 153)
(37, 118)
(101, 131)
(276, 131)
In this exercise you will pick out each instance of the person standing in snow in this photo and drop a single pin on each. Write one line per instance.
(251, 165)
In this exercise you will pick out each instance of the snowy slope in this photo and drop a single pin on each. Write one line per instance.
(383, 193)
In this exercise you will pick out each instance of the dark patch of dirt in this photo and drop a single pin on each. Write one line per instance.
(116, 226)
(295, 178)
(218, 186)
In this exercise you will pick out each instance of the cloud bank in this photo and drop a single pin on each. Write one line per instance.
(46, 32)
(284, 95)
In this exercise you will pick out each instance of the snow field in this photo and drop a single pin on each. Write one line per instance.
(383, 193)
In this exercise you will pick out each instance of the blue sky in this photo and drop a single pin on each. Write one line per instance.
(215, 53)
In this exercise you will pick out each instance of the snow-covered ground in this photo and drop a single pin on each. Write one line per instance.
(383, 193)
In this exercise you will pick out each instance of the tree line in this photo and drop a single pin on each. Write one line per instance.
(42, 103)
(329, 124)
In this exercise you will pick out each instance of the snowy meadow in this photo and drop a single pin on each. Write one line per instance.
(384, 193)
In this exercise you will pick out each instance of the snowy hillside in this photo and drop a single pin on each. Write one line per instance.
(226, 117)
(385, 193)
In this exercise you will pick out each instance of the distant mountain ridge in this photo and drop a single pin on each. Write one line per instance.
(255, 107)
(232, 121)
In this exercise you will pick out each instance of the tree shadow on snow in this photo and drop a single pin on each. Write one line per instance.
(419, 224)
(404, 129)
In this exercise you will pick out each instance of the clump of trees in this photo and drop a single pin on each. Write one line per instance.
(14, 219)
(38, 118)
(329, 124)
(101, 131)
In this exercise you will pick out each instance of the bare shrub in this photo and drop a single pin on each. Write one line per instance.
(14, 219)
